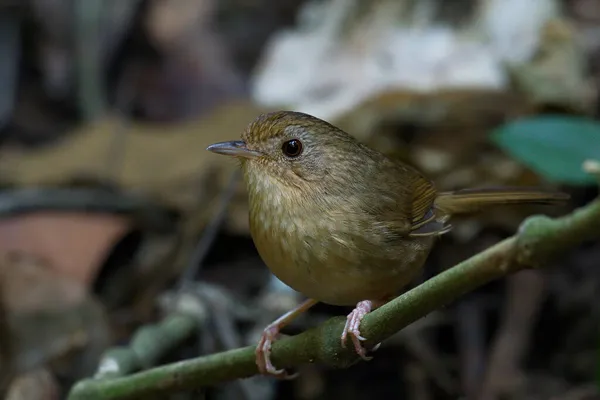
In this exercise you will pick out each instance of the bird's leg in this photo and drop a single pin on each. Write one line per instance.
(269, 335)
(353, 323)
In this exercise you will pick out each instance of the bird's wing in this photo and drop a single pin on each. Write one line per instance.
(403, 202)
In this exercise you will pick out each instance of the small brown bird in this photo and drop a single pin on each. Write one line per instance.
(340, 222)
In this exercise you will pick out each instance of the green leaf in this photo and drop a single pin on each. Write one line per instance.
(554, 146)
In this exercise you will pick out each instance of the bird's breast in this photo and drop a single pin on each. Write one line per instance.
(309, 247)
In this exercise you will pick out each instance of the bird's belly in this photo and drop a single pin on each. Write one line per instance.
(335, 274)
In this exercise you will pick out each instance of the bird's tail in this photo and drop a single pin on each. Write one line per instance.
(473, 200)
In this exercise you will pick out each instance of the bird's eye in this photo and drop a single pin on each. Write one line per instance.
(292, 148)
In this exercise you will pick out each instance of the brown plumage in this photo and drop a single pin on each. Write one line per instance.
(340, 222)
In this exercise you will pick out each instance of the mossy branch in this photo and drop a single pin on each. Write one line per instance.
(538, 239)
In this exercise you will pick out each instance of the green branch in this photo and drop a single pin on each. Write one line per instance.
(147, 346)
(538, 239)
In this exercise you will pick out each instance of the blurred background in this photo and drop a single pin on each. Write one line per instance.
(121, 235)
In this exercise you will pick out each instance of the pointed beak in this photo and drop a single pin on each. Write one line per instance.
(235, 148)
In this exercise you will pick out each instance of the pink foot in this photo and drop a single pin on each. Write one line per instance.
(263, 355)
(352, 328)
(269, 335)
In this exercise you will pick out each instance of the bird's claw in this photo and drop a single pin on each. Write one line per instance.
(352, 329)
(263, 355)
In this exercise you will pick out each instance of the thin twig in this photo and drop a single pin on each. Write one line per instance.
(223, 324)
(430, 361)
(178, 263)
(471, 341)
(210, 232)
(523, 302)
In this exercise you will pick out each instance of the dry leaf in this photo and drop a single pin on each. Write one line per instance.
(74, 245)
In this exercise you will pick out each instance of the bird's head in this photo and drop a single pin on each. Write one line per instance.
(293, 148)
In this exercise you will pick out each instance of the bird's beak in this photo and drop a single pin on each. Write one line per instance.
(235, 148)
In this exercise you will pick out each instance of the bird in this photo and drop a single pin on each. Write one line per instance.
(340, 222)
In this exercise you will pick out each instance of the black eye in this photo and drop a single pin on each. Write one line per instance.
(292, 148)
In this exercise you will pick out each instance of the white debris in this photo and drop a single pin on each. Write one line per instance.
(340, 55)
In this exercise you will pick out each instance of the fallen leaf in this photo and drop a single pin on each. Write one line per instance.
(73, 244)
